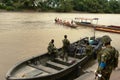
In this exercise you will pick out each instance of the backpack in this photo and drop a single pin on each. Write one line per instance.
(114, 54)
(115, 59)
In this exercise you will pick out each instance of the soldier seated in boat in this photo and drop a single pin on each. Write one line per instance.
(52, 50)
(83, 41)
(84, 48)
(80, 47)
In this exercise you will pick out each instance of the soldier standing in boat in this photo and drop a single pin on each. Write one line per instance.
(107, 59)
(52, 50)
(88, 49)
(66, 44)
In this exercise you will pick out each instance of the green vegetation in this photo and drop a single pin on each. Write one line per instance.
(92, 6)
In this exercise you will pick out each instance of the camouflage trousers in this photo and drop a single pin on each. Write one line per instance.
(105, 76)
(53, 54)
(64, 55)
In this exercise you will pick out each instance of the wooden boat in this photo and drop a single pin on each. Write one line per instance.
(45, 67)
(65, 23)
(113, 26)
(108, 29)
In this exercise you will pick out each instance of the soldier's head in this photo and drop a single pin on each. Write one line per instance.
(65, 36)
(52, 40)
(106, 40)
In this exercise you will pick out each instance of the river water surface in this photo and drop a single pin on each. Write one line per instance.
(23, 35)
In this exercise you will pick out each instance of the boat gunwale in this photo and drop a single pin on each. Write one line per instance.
(15, 66)
(9, 76)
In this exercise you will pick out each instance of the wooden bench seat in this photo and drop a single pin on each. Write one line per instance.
(33, 73)
(61, 61)
(73, 58)
(44, 68)
(47, 69)
(56, 65)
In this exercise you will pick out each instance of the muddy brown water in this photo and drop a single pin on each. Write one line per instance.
(23, 35)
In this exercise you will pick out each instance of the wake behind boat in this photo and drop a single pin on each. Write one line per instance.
(45, 67)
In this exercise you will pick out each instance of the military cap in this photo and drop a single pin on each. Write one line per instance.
(106, 39)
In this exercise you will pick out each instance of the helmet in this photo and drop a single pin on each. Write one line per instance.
(106, 39)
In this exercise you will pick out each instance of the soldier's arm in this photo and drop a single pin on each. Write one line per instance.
(117, 54)
(103, 64)
(117, 58)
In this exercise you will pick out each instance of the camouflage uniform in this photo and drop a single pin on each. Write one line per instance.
(52, 50)
(66, 44)
(89, 50)
(107, 60)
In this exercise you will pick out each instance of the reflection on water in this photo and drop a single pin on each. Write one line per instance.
(23, 35)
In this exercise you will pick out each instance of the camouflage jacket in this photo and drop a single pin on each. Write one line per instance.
(66, 43)
(89, 50)
(51, 48)
(109, 56)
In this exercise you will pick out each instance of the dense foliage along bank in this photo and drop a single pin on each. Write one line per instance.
(93, 6)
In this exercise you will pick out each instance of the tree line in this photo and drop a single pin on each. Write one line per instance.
(92, 6)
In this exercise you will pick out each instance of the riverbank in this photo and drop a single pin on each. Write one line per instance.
(60, 6)
(50, 11)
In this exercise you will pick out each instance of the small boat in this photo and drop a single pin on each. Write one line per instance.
(65, 23)
(85, 21)
(45, 67)
(84, 24)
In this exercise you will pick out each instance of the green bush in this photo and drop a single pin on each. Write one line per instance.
(10, 8)
(2, 6)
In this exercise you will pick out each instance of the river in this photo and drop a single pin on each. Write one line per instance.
(25, 34)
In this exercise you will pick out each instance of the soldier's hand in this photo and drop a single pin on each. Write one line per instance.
(96, 74)
(117, 68)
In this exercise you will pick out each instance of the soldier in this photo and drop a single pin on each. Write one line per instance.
(66, 44)
(89, 49)
(107, 60)
(52, 50)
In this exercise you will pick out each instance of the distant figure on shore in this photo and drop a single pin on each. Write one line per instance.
(56, 19)
(66, 45)
(52, 50)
